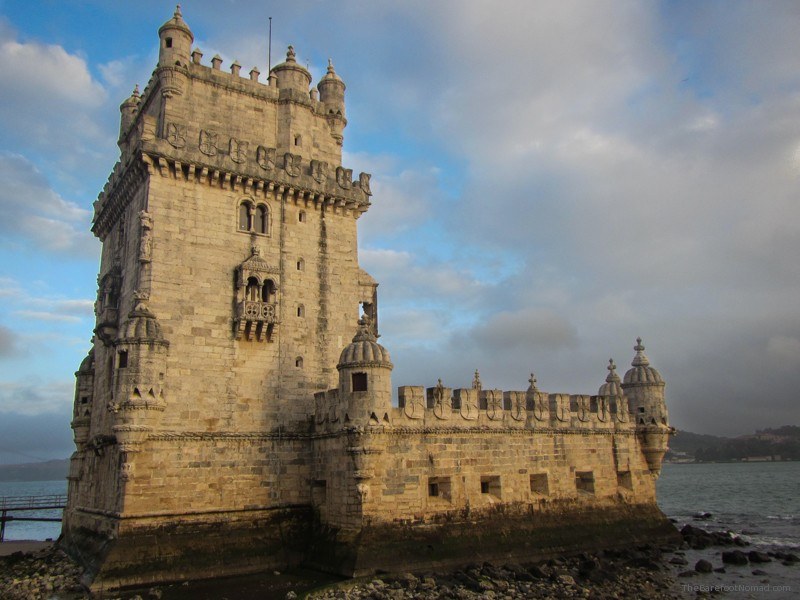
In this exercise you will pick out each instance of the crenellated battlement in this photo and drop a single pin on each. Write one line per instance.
(440, 406)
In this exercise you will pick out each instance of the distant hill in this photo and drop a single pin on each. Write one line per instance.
(782, 443)
(50, 470)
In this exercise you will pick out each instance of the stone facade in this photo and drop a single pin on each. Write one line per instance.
(225, 423)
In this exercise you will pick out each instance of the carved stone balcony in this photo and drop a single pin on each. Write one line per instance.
(256, 320)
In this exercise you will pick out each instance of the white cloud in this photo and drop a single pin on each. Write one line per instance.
(35, 399)
(34, 211)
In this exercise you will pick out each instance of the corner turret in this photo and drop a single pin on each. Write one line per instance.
(176, 41)
(128, 114)
(291, 75)
(644, 387)
(365, 379)
(331, 94)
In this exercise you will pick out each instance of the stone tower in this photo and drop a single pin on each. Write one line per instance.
(228, 286)
(225, 422)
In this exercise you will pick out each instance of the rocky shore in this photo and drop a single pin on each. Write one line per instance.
(43, 574)
(707, 563)
(638, 573)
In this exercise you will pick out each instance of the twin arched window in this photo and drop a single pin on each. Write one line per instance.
(261, 293)
(253, 218)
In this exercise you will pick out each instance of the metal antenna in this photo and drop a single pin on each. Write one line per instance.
(269, 52)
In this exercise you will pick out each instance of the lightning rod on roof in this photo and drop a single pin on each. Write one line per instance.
(269, 51)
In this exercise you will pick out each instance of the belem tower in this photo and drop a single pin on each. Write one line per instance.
(235, 411)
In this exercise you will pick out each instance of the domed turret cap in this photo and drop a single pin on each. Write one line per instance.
(142, 325)
(176, 22)
(364, 350)
(641, 371)
(611, 387)
(331, 76)
(290, 65)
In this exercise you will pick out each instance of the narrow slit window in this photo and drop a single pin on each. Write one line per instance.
(123, 359)
(262, 219)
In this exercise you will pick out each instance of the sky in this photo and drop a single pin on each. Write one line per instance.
(551, 180)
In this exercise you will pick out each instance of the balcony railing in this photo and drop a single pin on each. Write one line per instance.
(265, 312)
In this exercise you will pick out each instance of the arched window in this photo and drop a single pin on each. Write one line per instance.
(301, 264)
(302, 216)
(298, 362)
(245, 216)
(268, 291)
(252, 290)
(262, 219)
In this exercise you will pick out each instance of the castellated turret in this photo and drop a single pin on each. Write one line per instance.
(331, 94)
(138, 399)
(644, 388)
(365, 379)
(176, 41)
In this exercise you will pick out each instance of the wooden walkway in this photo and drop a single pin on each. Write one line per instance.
(18, 504)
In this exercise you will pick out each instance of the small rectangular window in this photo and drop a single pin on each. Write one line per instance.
(84, 399)
(490, 484)
(359, 382)
(123, 359)
(539, 485)
(584, 482)
(439, 487)
(624, 480)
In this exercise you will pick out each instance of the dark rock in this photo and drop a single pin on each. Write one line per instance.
(687, 574)
(758, 557)
(703, 566)
(734, 557)
(537, 572)
(720, 570)
(702, 516)
(678, 560)
(759, 572)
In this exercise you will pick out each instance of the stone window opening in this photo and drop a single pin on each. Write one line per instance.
(298, 140)
(359, 382)
(439, 487)
(262, 219)
(253, 292)
(301, 310)
(301, 217)
(298, 362)
(539, 484)
(245, 216)
(490, 485)
(123, 359)
(253, 218)
(168, 42)
(584, 482)
(84, 399)
(301, 264)
(269, 292)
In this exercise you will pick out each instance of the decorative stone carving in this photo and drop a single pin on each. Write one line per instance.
(412, 401)
(319, 171)
(602, 409)
(583, 408)
(257, 287)
(516, 402)
(238, 150)
(208, 142)
(146, 240)
(561, 407)
(363, 182)
(494, 404)
(176, 135)
(291, 164)
(344, 177)
(468, 401)
(441, 401)
(265, 157)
